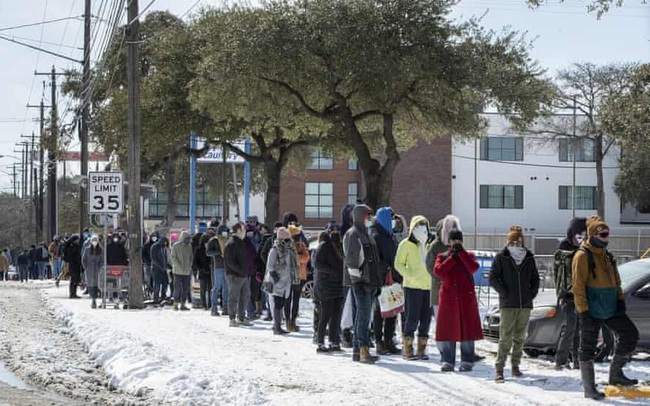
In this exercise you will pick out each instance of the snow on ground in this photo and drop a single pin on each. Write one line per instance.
(191, 358)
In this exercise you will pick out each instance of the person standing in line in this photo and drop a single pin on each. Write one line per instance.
(7, 253)
(93, 261)
(33, 258)
(55, 257)
(203, 266)
(361, 261)
(382, 233)
(4, 267)
(251, 266)
(569, 340)
(515, 277)
(181, 261)
(399, 229)
(281, 265)
(159, 266)
(458, 316)
(215, 250)
(328, 289)
(23, 265)
(599, 301)
(292, 305)
(410, 262)
(268, 238)
(73, 258)
(146, 258)
(237, 276)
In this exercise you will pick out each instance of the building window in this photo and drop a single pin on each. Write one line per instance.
(208, 204)
(353, 192)
(502, 149)
(319, 200)
(353, 164)
(319, 161)
(585, 150)
(586, 198)
(502, 197)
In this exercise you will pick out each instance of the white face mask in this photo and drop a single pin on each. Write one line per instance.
(224, 234)
(116, 239)
(154, 239)
(393, 224)
(94, 243)
(580, 238)
(422, 229)
(368, 223)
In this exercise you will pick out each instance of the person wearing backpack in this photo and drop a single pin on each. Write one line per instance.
(515, 277)
(600, 301)
(569, 340)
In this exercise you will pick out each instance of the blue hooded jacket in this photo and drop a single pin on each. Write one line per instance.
(384, 218)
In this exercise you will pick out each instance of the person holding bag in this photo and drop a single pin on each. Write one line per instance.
(281, 265)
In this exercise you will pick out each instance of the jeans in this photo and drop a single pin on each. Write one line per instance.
(206, 293)
(160, 283)
(292, 304)
(181, 288)
(448, 352)
(418, 312)
(383, 328)
(627, 333)
(23, 272)
(219, 285)
(512, 332)
(363, 301)
(330, 318)
(56, 267)
(569, 337)
(238, 296)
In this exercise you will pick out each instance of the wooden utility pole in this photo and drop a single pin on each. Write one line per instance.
(83, 128)
(133, 207)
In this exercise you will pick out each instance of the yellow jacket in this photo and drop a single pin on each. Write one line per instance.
(410, 262)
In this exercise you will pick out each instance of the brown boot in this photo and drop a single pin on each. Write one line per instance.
(516, 372)
(365, 357)
(422, 348)
(380, 348)
(289, 326)
(295, 326)
(407, 348)
(498, 376)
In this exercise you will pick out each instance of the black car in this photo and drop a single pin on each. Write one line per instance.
(546, 324)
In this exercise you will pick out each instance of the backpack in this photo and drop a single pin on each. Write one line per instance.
(563, 270)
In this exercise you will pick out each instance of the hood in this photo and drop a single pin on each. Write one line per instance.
(449, 223)
(345, 217)
(403, 220)
(184, 235)
(577, 225)
(439, 229)
(359, 214)
(414, 221)
(288, 218)
(222, 228)
(163, 240)
(384, 218)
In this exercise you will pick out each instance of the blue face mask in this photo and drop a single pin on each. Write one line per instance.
(598, 243)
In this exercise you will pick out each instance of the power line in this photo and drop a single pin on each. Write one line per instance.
(67, 23)
(163, 31)
(40, 22)
(532, 165)
(60, 45)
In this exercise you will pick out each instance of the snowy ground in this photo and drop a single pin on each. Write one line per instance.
(191, 358)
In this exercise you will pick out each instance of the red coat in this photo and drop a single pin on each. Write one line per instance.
(458, 317)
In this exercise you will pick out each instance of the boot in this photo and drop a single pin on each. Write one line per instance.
(616, 376)
(498, 375)
(381, 348)
(290, 326)
(356, 355)
(258, 308)
(422, 349)
(589, 380)
(346, 342)
(277, 323)
(407, 348)
(295, 325)
(175, 305)
(391, 347)
(516, 372)
(93, 304)
(365, 357)
(156, 297)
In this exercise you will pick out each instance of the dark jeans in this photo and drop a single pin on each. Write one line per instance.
(23, 272)
(75, 278)
(181, 288)
(383, 328)
(620, 324)
(206, 292)
(238, 295)
(569, 336)
(363, 300)
(278, 302)
(93, 290)
(418, 312)
(292, 305)
(330, 317)
(160, 282)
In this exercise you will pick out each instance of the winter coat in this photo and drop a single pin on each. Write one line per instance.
(182, 256)
(346, 221)
(33, 254)
(251, 257)
(202, 263)
(215, 251)
(116, 254)
(159, 262)
(458, 317)
(303, 260)
(283, 263)
(73, 257)
(328, 271)
(4, 264)
(361, 258)
(409, 262)
(437, 247)
(42, 253)
(386, 250)
(23, 259)
(596, 291)
(401, 235)
(54, 250)
(146, 252)
(517, 285)
(93, 264)
(266, 246)
(235, 257)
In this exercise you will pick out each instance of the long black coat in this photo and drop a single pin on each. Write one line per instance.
(202, 263)
(328, 272)
(386, 250)
(517, 285)
(73, 258)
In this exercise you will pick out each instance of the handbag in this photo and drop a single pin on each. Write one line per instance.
(391, 297)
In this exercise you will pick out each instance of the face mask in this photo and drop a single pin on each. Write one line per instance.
(85, 235)
(186, 240)
(115, 239)
(224, 234)
(94, 243)
(422, 229)
(393, 224)
(250, 234)
(580, 238)
(368, 223)
(596, 242)
(154, 239)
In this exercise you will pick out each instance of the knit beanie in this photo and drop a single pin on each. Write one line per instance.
(455, 234)
(515, 234)
(595, 226)
(283, 233)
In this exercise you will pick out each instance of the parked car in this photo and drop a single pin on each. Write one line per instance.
(546, 324)
(12, 274)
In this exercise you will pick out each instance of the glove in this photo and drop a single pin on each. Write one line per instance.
(457, 248)
(584, 317)
(275, 276)
(620, 307)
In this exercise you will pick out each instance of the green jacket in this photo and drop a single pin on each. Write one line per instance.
(409, 261)
(182, 256)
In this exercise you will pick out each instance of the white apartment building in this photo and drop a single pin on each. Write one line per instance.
(507, 179)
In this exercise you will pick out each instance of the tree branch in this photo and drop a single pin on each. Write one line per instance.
(243, 154)
(366, 114)
(312, 111)
(609, 145)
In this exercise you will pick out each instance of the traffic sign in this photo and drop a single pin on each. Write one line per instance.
(106, 192)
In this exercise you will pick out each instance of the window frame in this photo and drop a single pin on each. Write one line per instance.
(508, 197)
(493, 145)
(320, 162)
(565, 149)
(325, 211)
(565, 199)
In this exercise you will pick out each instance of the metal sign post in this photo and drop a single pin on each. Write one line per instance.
(104, 288)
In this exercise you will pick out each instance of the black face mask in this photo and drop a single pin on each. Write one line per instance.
(598, 243)
(335, 237)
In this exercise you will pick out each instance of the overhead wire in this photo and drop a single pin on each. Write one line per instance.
(15, 27)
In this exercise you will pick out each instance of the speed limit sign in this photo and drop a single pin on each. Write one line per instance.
(106, 192)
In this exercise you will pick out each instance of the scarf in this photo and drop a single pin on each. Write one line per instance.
(518, 254)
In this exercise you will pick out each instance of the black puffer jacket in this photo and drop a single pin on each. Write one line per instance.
(517, 285)
(386, 250)
(202, 263)
(329, 271)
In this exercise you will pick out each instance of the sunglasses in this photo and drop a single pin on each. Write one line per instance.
(603, 235)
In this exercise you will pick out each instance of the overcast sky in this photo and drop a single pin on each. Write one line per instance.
(562, 33)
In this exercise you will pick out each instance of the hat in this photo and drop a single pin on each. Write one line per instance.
(455, 235)
(515, 234)
(595, 226)
(294, 230)
(283, 233)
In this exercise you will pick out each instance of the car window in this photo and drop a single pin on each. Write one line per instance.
(631, 272)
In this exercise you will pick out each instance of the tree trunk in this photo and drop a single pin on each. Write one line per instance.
(600, 184)
(272, 199)
(170, 190)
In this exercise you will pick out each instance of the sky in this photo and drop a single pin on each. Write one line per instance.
(561, 33)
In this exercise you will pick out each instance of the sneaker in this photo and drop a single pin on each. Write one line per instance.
(184, 308)
(246, 323)
(447, 367)
(465, 368)
(214, 313)
(322, 349)
(335, 348)
(233, 323)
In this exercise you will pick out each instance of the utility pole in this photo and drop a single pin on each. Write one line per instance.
(573, 188)
(38, 199)
(83, 128)
(134, 220)
(224, 186)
